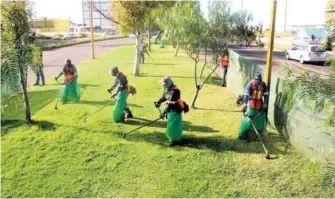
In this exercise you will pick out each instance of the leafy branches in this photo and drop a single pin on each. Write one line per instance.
(313, 89)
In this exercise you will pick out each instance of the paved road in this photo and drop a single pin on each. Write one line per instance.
(54, 59)
(258, 56)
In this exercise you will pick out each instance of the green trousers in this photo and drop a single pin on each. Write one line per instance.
(70, 92)
(120, 105)
(174, 129)
(247, 131)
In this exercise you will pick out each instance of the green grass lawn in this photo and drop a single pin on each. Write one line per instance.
(61, 156)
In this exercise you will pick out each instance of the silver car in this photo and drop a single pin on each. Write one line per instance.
(69, 36)
(307, 53)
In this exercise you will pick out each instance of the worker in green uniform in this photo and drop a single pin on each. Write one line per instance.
(120, 95)
(174, 107)
(254, 109)
(71, 88)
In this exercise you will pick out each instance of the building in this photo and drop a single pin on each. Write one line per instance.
(310, 35)
(100, 23)
(50, 25)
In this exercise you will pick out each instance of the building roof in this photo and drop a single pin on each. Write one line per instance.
(317, 32)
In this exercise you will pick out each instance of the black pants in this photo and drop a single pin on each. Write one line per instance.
(142, 58)
(40, 74)
(224, 71)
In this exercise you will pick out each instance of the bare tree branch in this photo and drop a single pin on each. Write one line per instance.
(195, 74)
(204, 66)
(105, 16)
(209, 75)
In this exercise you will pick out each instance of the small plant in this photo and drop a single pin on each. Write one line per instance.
(41, 36)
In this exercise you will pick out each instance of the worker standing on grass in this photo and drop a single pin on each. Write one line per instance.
(254, 109)
(143, 51)
(39, 70)
(121, 95)
(71, 88)
(224, 67)
(174, 107)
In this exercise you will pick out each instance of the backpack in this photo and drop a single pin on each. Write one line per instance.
(186, 107)
(131, 90)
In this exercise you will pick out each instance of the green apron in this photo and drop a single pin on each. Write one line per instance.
(70, 92)
(121, 104)
(174, 129)
(247, 131)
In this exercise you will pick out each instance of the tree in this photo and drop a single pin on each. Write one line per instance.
(17, 49)
(131, 17)
(201, 39)
(175, 20)
(211, 39)
(330, 23)
(240, 26)
(154, 16)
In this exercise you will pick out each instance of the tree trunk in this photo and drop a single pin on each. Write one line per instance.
(149, 34)
(23, 81)
(138, 56)
(195, 96)
(177, 51)
(158, 36)
(196, 83)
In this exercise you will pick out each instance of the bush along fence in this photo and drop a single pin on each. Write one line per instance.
(295, 120)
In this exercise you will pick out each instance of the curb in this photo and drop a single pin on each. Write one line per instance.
(81, 42)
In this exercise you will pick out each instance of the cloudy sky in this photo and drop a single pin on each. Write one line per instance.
(299, 12)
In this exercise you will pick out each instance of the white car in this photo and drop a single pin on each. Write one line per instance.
(69, 36)
(307, 53)
(132, 36)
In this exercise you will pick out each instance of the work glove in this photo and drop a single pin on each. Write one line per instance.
(244, 108)
(114, 95)
(157, 104)
(163, 114)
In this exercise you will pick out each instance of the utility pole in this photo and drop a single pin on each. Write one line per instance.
(270, 44)
(285, 15)
(92, 32)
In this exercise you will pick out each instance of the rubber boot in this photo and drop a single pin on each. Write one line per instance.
(122, 117)
(129, 113)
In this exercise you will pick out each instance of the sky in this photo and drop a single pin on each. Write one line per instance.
(299, 12)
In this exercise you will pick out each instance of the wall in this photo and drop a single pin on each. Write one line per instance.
(298, 123)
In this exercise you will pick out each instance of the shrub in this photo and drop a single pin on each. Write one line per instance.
(40, 36)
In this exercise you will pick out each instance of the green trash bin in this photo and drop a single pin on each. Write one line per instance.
(162, 44)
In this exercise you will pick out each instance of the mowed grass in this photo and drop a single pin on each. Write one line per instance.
(62, 156)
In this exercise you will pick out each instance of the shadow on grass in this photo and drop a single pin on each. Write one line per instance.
(160, 76)
(38, 100)
(215, 143)
(160, 64)
(214, 80)
(42, 125)
(84, 86)
(162, 124)
(104, 103)
(220, 110)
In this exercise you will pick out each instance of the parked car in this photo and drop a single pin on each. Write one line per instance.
(132, 36)
(109, 33)
(69, 36)
(307, 53)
